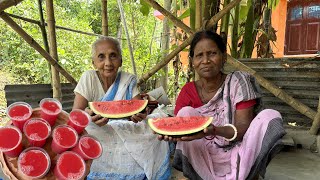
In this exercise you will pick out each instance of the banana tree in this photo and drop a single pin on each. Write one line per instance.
(251, 26)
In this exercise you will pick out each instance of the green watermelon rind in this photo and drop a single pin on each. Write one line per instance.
(116, 116)
(170, 133)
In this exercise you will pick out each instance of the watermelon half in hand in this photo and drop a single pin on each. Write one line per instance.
(179, 125)
(118, 109)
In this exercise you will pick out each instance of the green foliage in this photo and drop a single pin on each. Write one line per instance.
(185, 14)
(249, 31)
(272, 4)
(94, 17)
(250, 20)
(144, 8)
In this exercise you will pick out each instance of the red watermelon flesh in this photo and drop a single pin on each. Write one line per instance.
(179, 125)
(118, 109)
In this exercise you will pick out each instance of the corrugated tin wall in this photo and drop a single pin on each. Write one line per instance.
(33, 93)
(300, 78)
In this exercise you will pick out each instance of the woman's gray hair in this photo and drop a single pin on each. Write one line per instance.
(105, 38)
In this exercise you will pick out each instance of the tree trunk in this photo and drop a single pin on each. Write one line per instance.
(235, 33)
(225, 20)
(210, 8)
(104, 8)
(128, 37)
(198, 18)
(198, 24)
(42, 26)
(56, 86)
(176, 62)
(165, 39)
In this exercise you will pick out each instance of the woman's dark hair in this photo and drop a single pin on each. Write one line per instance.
(207, 35)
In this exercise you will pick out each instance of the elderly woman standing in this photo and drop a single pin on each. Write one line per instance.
(241, 139)
(129, 147)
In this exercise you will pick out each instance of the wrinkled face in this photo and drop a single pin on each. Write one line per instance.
(208, 60)
(107, 59)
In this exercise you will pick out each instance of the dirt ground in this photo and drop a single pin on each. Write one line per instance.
(292, 164)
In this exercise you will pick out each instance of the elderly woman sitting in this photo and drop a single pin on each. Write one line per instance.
(130, 149)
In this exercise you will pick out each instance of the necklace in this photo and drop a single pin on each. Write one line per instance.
(211, 91)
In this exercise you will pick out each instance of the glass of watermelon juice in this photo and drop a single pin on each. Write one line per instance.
(34, 162)
(37, 130)
(50, 109)
(88, 147)
(64, 137)
(69, 166)
(10, 141)
(79, 120)
(19, 113)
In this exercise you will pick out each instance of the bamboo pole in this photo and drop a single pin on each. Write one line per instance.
(316, 123)
(225, 20)
(55, 81)
(37, 47)
(165, 60)
(198, 22)
(104, 8)
(44, 34)
(57, 27)
(297, 105)
(4, 4)
(167, 14)
(187, 42)
(128, 37)
(165, 44)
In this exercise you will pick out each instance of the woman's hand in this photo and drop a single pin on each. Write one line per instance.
(96, 118)
(140, 116)
(209, 131)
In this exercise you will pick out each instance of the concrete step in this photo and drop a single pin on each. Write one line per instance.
(288, 140)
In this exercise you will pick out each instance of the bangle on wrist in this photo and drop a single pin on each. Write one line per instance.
(235, 132)
(213, 134)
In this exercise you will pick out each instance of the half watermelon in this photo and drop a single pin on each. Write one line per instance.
(118, 109)
(179, 125)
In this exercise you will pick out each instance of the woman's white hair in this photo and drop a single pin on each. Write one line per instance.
(105, 38)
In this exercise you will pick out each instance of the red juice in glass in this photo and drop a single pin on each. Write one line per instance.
(69, 166)
(37, 131)
(79, 120)
(19, 113)
(50, 109)
(10, 141)
(34, 162)
(88, 147)
(64, 137)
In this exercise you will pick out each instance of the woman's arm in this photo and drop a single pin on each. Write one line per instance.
(82, 103)
(79, 102)
(243, 118)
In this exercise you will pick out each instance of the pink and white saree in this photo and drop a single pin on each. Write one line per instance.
(218, 159)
